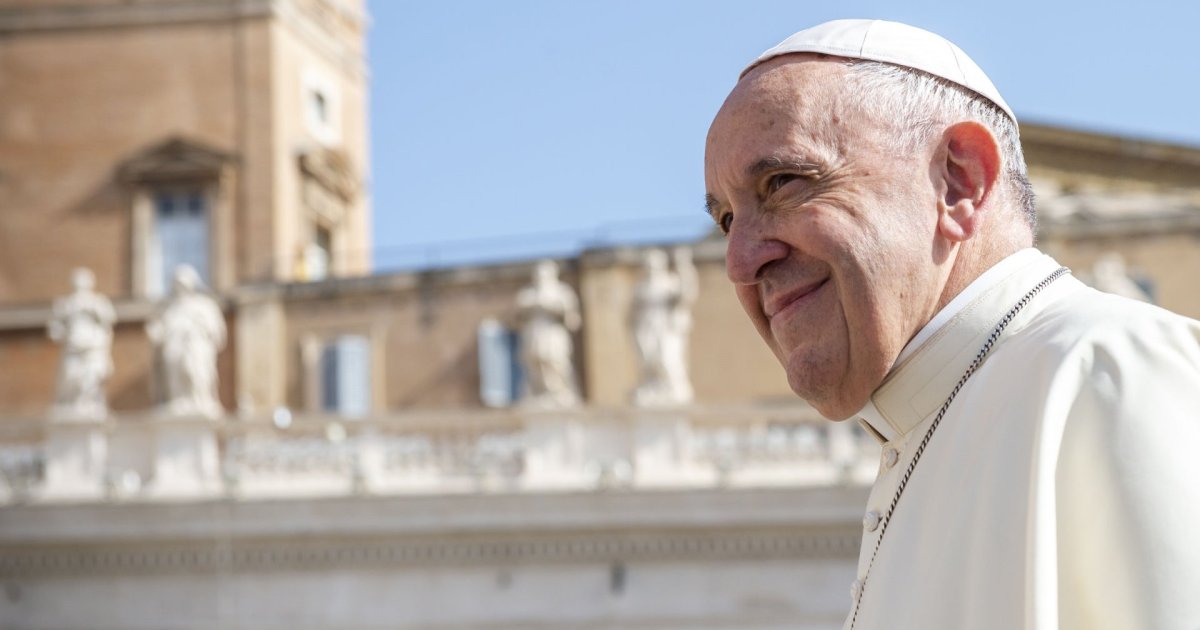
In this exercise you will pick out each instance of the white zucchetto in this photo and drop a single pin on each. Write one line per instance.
(894, 43)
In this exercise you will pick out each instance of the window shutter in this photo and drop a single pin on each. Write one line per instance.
(346, 376)
(499, 370)
(330, 399)
(354, 374)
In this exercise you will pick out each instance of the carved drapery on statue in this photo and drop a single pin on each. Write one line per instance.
(188, 333)
(549, 313)
(82, 322)
(662, 321)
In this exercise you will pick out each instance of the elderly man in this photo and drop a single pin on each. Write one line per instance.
(1039, 464)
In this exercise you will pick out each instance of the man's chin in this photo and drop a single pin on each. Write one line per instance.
(827, 400)
(838, 414)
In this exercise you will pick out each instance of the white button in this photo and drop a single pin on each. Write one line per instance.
(890, 457)
(855, 587)
(871, 521)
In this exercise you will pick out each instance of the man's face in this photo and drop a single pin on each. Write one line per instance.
(830, 231)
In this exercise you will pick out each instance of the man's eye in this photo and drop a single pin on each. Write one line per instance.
(726, 222)
(779, 181)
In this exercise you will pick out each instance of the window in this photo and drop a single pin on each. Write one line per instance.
(345, 376)
(320, 107)
(500, 376)
(179, 236)
(328, 189)
(321, 253)
(321, 102)
(177, 215)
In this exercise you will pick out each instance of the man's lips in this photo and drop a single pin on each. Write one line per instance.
(777, 302)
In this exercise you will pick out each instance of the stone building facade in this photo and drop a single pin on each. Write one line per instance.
(230, 135)
(418, 331)
(359, 479)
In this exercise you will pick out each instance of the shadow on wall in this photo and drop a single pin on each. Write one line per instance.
(26, 359)
(429, 393)
(111, 261)
(129, 388)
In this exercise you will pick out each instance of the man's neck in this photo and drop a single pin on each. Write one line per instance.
(977, 255)
(979, 282)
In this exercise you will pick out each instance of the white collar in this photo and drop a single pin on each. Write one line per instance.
(985, 281)
(889, 413)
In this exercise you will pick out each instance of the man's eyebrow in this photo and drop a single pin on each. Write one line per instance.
(775, 163)
(710, 205)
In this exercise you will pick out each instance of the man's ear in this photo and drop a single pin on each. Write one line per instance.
(970, 171)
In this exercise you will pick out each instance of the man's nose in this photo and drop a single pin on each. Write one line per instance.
(749, 250)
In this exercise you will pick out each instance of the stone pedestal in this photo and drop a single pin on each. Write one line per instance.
(186, 458)
(76, 454)
(661, 449)
(843, 450)
(553, 452)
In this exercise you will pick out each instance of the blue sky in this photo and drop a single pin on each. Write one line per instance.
(522, 128)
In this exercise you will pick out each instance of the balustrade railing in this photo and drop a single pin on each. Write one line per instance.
(158, 458)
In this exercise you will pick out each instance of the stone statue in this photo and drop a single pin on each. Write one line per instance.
(188, 334)
(1110, 275)
(661, 321)
(82, 322)
(549, 312)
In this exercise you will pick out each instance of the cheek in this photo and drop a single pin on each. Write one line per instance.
(748, 297)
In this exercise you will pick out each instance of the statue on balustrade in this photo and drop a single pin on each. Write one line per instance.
(1110, 275)
(549, 314)
(662, 321)
(188, 333)
(83, 323)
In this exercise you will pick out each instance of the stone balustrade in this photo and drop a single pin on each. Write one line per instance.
(152, 458)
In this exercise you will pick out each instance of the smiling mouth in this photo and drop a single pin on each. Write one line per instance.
(784, 301)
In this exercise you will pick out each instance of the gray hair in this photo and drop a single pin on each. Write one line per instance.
(925, 103)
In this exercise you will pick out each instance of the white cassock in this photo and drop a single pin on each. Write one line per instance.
(1061, 490)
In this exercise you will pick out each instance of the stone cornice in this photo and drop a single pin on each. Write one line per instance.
(61, 17)
(478, 275)
(463, 515)
(217, 555)
(64, 17)
(1118, 160)
(704, 250)
(176, 159)
(42, 541)
(29, 316)
(1075, 140)
(1126, 227)
(35, 316)
(464, 276)
(306, 27)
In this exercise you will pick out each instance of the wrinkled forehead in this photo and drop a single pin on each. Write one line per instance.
(801, 85)
(799, 72)
(793, 97)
